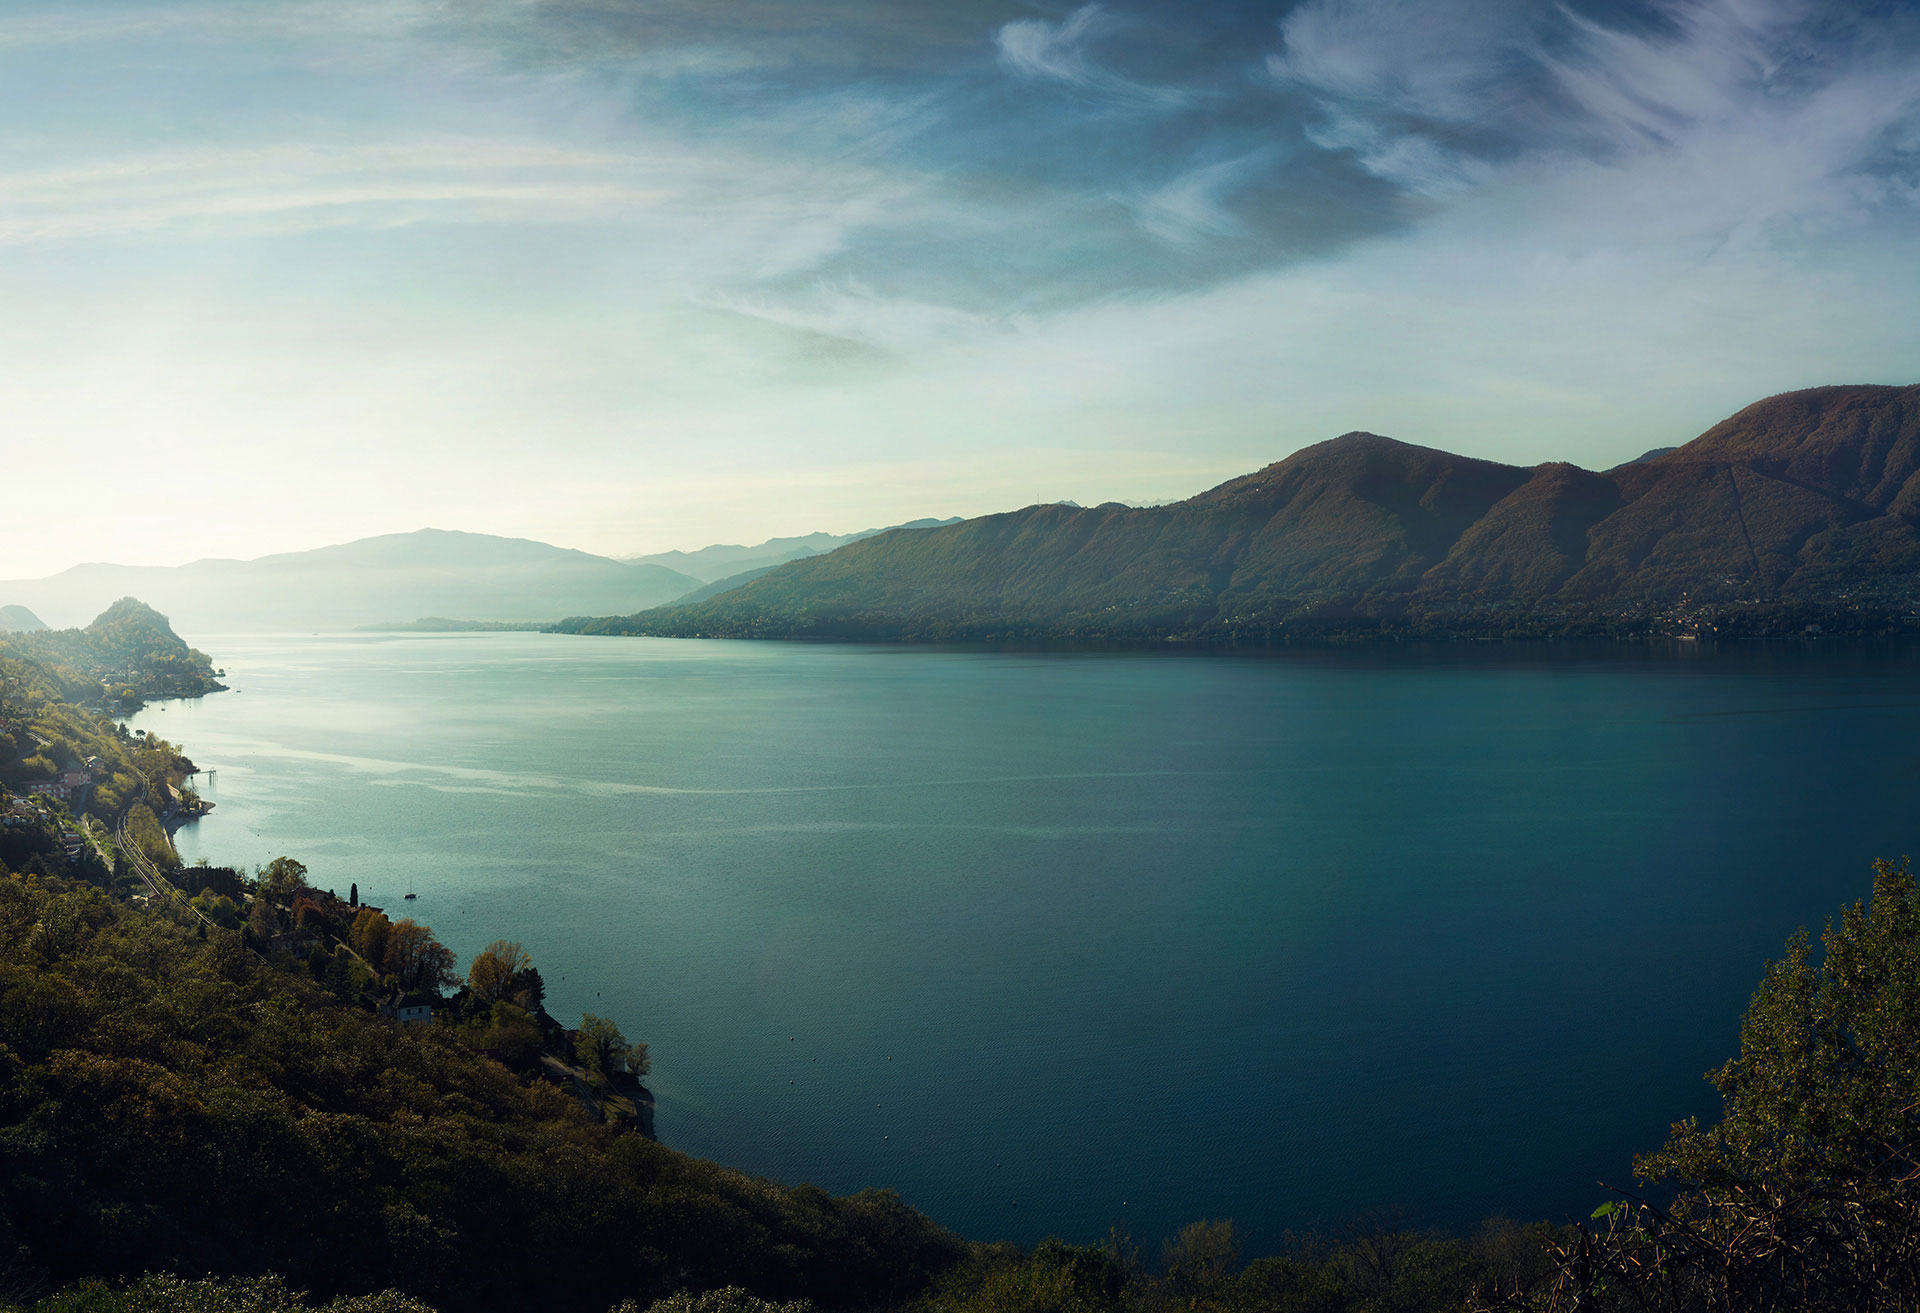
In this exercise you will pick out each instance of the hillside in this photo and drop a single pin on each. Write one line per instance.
(175, 1100)
(129, 654)
(1803, 508)
(391, 578)
(19, 620)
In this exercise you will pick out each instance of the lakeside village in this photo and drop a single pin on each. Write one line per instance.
(82, 798)
(71, 785)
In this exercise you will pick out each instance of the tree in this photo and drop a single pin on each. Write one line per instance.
(415, 958)
(494, 969)
(510, 1034)
(308, 914)
(528, 989)
(283, 878)
(263, 921)
(217, 908)
(353, 894)
(731, 1299)
(604, 1051)
(369, 937)
(1200, 1258)
(1807, 1192)
(339, 977)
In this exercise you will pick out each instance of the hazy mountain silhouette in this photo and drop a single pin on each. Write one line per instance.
(391, 577)
(734, 564)
(1806, 499)
(19, 620)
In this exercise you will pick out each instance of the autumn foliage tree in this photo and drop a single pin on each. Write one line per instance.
(368, 937)
(415, 959)
(498, 971)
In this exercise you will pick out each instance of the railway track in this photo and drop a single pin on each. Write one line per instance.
(158, 886)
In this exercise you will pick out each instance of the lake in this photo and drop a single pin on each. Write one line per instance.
(1052, 942)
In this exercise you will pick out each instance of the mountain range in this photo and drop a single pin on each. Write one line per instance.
(390, 582)
(1801, 508)
(373, 580)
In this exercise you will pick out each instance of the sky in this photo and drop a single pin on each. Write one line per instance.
(630, 275)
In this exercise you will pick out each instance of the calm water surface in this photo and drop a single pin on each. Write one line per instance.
(1056, 942)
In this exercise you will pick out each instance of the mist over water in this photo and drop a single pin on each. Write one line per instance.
(1053, 942)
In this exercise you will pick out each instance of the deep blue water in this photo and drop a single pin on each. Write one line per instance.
(1056, 942)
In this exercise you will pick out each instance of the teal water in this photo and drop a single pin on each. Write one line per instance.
(1053, 942)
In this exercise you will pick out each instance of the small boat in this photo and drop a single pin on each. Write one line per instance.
(413, 895)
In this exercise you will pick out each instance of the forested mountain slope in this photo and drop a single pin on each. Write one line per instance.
(179, 1103)
(129, 652)
(1806, 504)
(723, 561)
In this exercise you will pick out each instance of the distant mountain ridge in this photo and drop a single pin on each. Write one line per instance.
(393, 577)
(724, 561)
(19, 620)
(1801, 507)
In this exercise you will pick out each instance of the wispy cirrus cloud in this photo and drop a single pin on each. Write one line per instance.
(1442, 98)
(1198, 203)
(1062, 53)
(670, 206)
(307, 185)
(84, 25)
(1440, 62)
(857, 315)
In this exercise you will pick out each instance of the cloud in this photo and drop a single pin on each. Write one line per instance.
(856, 314)
(285, 18)
(1416, 93)
(1758, 103)
(1059, 52)
(1197, 204)
(682, 220)
(301, 185)
(674, 239)
(1438, 62)
(789, 41)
